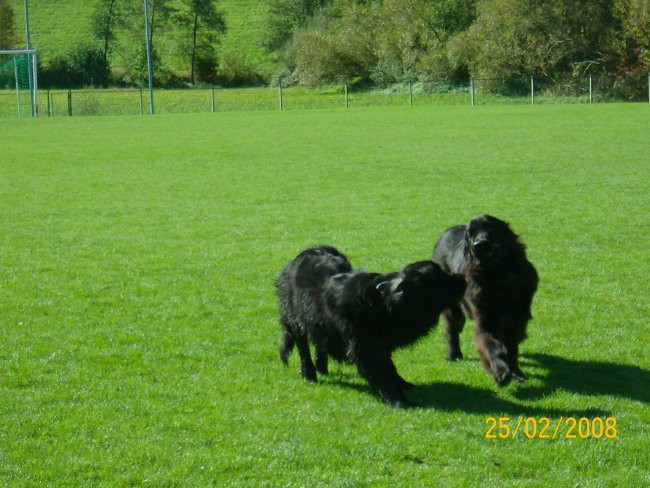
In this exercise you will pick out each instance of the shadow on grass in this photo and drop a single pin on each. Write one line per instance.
(469, 399)
(586, 378)
(590, 378)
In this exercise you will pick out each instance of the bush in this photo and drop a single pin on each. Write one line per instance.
(86, 66)
(205, 65)
(236, 71)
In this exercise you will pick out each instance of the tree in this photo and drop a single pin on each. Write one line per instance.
(634, 42)
(284, 18)
(8, 39)
(384, 41)
(553, 38)
(159, 10)
(103, 23)
(200, 24)
(129, 43)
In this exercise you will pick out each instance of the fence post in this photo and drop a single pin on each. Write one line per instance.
(345, 86)
(49, 105)
(471, 93)
(17, 88)
(590, 91)
(410, 93)
(212, 104)
(141, 108)
(532, 90)
(69, 103)
(280, 92)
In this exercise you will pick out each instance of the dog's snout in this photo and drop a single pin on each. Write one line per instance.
(481, 242)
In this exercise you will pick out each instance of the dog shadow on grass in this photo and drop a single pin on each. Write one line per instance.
(449, 397)
(585, 378)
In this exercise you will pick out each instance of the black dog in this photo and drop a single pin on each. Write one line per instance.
(501, 283)
(358, 316)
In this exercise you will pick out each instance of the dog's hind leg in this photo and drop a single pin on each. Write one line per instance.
(286, 346)
(320, 355)
(307, 369)
(454, 322)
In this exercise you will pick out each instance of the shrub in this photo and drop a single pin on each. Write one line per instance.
(86, 66)
(236, 71)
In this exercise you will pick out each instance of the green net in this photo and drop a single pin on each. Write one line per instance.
(14, 72)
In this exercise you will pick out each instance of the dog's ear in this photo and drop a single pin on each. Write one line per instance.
(391, 291)
(467, 237)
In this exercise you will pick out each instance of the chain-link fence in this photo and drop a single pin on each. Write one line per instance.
(528, 90)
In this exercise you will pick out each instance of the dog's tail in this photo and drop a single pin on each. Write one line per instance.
(286, 346)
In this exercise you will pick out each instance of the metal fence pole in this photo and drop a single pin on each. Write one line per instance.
(49, 104)
(212, 99)
(147, 30)
(532, 90)
(346, 95)
(410, 94)
(590, 90)
(35, 84)
(141, 103)
(471, 93)
(69, 103)
(280, 93)
(17, 89)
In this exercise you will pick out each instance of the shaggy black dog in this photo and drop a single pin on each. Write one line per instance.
(501, 283)
(360, 317)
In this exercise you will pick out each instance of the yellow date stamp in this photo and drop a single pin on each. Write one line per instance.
(545, 428)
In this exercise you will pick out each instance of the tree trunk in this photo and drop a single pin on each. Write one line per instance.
(108, 30)
(152, 23)
(196, 23)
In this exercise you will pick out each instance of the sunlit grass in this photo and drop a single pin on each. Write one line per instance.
(138, 315)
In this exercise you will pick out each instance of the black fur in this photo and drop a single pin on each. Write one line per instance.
(501, 283)
(358, 316)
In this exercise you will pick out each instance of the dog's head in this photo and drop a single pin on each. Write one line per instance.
(489, 239)
(423, 282)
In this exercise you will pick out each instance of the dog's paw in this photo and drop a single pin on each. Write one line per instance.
(405, 404)
(518, 375)
(309, 374)
(501, 372)
(322, 369)
(454, 356)
(407, 385)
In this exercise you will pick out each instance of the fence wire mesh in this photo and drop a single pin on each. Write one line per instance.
(523, 90)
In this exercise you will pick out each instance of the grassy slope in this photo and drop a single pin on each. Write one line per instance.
(139, 323)
(56, 26)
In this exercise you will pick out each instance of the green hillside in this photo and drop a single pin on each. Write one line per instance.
(58, 25)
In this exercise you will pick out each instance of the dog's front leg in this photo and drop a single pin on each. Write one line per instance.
(454, 321)
(512, 348)
(381, 374)
(493, 355)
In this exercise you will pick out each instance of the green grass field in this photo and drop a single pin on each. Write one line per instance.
(138, 317)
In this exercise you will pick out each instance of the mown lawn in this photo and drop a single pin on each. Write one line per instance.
(138, 318)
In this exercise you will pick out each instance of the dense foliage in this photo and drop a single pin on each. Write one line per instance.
(367, 42)
(7, 26)
(182, 33)
(387, 41)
